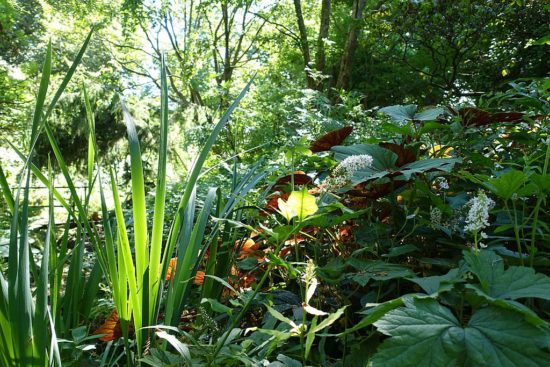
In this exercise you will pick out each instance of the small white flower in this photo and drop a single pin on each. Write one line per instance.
(442, 183)
(352, 164)
(342, 174)
(435, 217)
(478, 215)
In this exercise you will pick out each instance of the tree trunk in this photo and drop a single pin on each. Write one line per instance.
(351, 44)
(303, 41)
(320, 57)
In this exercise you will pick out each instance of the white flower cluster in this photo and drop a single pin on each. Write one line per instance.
(478, 215)
(343, 173)
(435, 217)
(442, 183)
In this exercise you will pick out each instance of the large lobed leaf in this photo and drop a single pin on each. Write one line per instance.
(512, 283)
(424, 333)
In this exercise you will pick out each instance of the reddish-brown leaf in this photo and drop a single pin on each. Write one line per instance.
(333, 138)
(299, 179)
(404, 155)
(474, 116)
(478, 117)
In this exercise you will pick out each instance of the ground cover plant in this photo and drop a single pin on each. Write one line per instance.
(383, 203)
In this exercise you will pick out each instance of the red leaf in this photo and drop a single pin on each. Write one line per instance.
(404, 155)
(299, 179)
(333, 138)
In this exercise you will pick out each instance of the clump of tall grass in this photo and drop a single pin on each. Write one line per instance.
(134, 265)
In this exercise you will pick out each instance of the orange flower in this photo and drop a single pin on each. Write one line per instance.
(199, 277)
(111, 328)
(171, 268)
(248, 248)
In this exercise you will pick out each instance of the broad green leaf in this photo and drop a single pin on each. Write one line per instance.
(528, 314)
(375, 313)
(404, 113)
(424, 333)
(217, 306)
(512, 283)
(300, 204)
(287, 361)
(433, 284)
(400, 113)
(384, 163)
(505, 185)
(382, 159)
(159, 357)
(427, 165)
(429, 114)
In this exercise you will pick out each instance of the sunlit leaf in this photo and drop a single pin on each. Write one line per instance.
(424, 333)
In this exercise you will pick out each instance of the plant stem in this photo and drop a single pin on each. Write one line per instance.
(514, 220)
(540, 197)
(221, 343)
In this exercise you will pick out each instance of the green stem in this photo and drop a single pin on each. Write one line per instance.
(536, 211)
(514, 220)
(245, 307)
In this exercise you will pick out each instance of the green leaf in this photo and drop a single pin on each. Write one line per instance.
(300, 204)
(424, 333)
(403, 113)
(512, 283)
(310, 337)
(217, 306)
(434, 284)
(429, 114)
(374, 313)
(542, 41)
(528, 314)
(400, 113)
(287, 361)
(507, 184)
(427, 165)
(401, 250)
(279, 316)
(181, 348)
(376, 270)
(329, 320)
(382, 159)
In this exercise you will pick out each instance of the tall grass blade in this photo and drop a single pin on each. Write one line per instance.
(160, 197)
(187, 258)
(91, 135)
(138, 203)
(41, 311)
(126, 262)
(6, 192)
(195, 172)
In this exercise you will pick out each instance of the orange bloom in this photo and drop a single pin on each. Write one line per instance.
(248, 248)
(171, 268)
(111, 328)
(199, 277)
